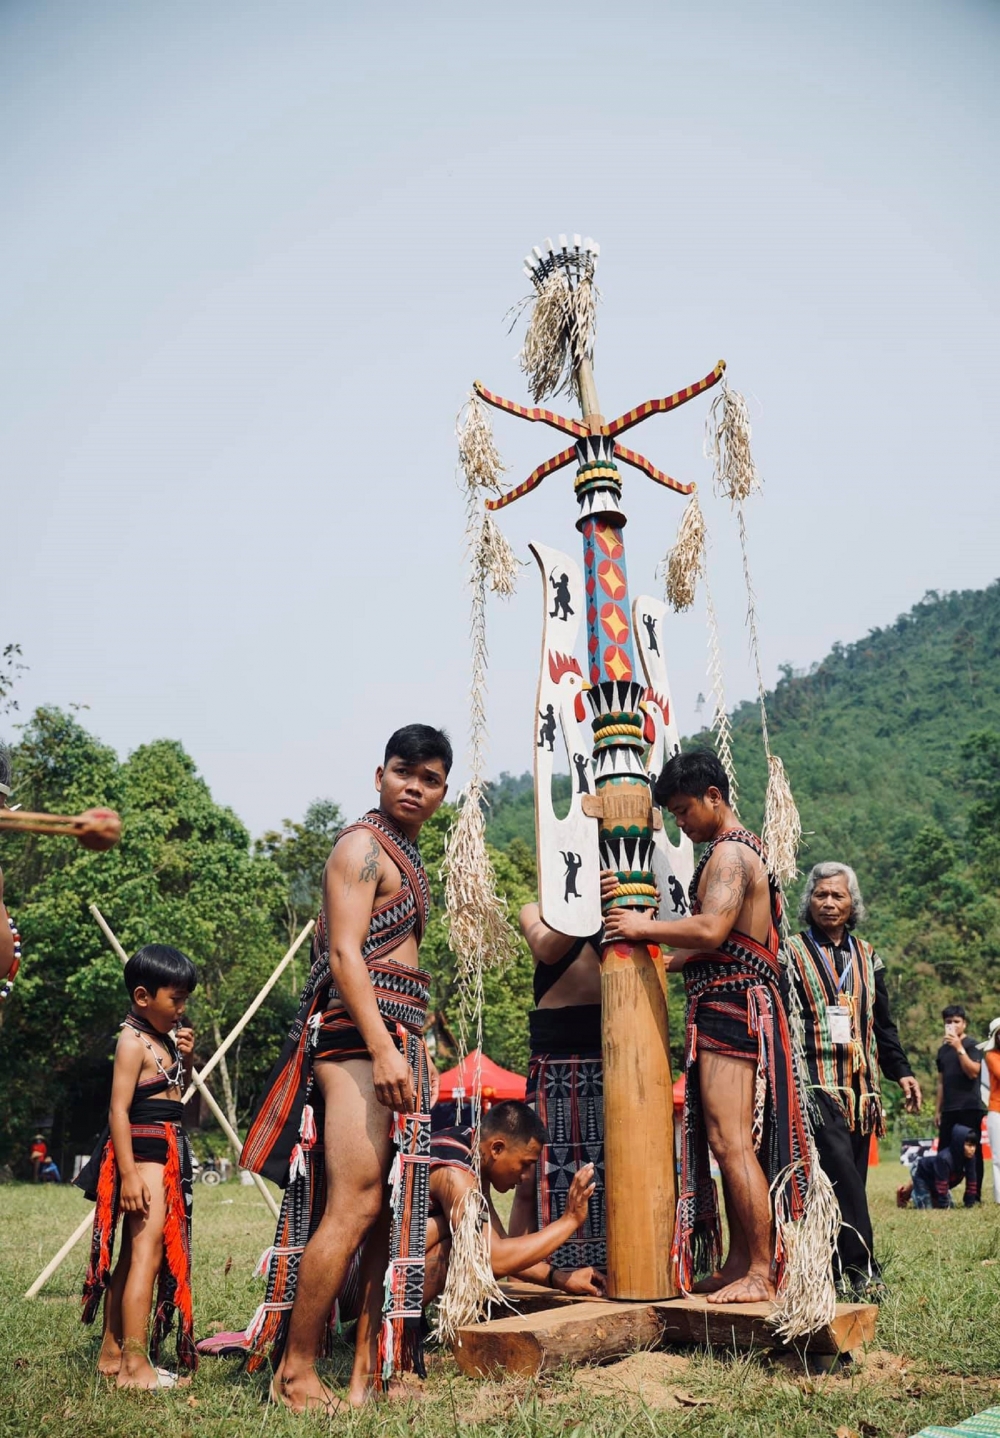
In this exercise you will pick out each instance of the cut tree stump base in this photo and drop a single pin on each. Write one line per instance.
(554, 1328)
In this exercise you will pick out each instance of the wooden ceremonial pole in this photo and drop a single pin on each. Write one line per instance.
(628, 698)
(87, 1223)
(639, 1176)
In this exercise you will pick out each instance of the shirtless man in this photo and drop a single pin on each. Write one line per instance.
(565, 1075)
(510, 1140)
(347, 1067)
(736, 1026)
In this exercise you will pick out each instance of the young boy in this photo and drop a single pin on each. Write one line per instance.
(142, 1168)
(936, 1174)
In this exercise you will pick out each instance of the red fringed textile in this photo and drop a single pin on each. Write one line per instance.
(152, 1142)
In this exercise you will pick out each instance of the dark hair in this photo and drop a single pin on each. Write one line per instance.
(419, 741)
(157, 966)
(953, 1011)
(5, 764)
(693, 773)
(514, 1121)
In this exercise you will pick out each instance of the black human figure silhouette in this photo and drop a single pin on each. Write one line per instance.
(547, 732)
(573, 864)
(582, 781)
(677, 895)
(650, 624)
(561, 600)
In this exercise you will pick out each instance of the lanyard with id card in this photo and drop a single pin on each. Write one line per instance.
(839, 1016)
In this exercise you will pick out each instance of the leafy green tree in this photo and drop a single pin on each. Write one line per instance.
(183, 874)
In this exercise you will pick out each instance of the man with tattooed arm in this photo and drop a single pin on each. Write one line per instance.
(349, 1100)
(741, 1098)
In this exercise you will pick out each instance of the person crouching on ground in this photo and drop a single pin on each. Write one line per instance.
(511, 1137)
(141, 1169)
(849, 1035)
(936, 1174)
(741, 1096)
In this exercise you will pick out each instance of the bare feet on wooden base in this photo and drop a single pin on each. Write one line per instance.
(722, 1278)
(304, 1392)
(751, 1288)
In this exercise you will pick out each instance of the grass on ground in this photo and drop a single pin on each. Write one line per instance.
(936, 1358)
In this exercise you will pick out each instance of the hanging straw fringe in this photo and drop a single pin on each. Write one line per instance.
(807, 1298)
(470, 1288)
(560, 333)
(479, 929)
(684, 565)
(720, 725)
(735, 476)
(477, 451)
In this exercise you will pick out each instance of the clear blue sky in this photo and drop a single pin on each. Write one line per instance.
(253, 255)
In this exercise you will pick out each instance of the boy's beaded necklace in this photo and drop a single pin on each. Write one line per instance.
(175, 1074)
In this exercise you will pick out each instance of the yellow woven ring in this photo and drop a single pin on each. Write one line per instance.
(624, 889)
(610, 729)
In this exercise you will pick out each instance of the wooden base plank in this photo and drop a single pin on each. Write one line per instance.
(571, 1330)
(533, 1343)
(744, 1325)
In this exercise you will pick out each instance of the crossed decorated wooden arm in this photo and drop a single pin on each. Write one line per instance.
(580, 430)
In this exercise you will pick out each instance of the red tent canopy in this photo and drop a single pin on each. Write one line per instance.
(497, 1083)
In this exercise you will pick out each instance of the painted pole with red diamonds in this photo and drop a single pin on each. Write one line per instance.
(612, 823)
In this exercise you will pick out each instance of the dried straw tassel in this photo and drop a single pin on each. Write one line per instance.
(479, 929)
(494, 559)
(782, 825)
(477, 451)
(470, 1288)
(807, 1298)
(735, 474)
(685, 563)
(560, 333)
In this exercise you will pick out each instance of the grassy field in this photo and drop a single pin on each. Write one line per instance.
(936, 1359)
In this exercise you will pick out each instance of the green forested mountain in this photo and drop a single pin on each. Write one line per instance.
(891, 744)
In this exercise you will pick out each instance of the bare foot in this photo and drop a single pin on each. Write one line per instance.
(728, 1273)
(751, 1288)
(304, 1392)
(109, 1360)
(137, 1373)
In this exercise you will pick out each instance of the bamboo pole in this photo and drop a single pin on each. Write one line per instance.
(87, 1223)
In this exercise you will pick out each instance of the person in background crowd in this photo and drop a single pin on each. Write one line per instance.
(38, 1153)
(991, 1062)
(936, 1174)
(958, 1101)
(839, 980)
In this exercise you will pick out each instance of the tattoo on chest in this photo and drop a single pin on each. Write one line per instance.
(369, 869)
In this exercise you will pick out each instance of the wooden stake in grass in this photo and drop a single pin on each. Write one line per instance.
(87, 1223)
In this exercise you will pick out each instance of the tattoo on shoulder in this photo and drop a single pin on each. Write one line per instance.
(369, 869)
(727, 882)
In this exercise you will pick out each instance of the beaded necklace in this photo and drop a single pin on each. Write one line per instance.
(8, 983)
